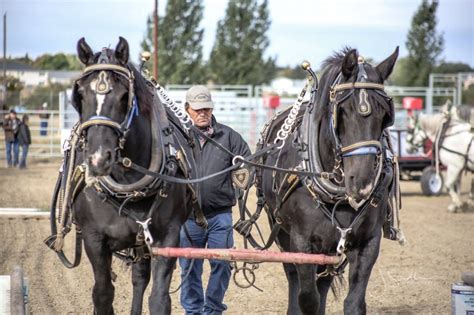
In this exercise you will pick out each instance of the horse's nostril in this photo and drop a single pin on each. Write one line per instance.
(108, 157)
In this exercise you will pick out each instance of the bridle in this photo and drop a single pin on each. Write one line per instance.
(364, 108)
(102, 88)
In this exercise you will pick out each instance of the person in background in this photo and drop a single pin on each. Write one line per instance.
(217, 198)
(11, 125)
(24, 140)
(44, 118)
(4, 114)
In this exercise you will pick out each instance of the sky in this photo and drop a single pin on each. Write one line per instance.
(300, 29)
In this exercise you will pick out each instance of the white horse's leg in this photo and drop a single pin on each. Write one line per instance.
(470, 202)
(453, 176)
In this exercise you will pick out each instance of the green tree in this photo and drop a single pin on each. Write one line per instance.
(237, 56)
(452, 67)
(424, 45)
(45, 94)
(179, 43)
(58, 61)
(400, 72)
(294, 72)
(13, 90)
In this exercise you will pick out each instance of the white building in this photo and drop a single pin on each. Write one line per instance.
(31, 77)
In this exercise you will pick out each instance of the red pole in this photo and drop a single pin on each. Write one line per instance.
(248, 255)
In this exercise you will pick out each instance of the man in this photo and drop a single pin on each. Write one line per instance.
(11, 125)
(217, 199)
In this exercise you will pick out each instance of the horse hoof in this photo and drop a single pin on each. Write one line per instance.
(452, 208)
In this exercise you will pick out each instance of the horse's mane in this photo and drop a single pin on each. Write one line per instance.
(143, 91)
(335, 61)
(331, 68)
(430, 123)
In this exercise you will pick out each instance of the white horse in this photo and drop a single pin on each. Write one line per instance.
(455, 150)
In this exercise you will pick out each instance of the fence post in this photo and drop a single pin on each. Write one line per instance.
(51, 136)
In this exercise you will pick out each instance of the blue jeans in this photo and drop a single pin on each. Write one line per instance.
(24, 153)
(12, 145)
(217, 235)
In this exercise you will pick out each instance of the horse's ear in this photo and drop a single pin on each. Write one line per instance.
(122, 51)
(385, 68)
(349, 63)
(84, 52)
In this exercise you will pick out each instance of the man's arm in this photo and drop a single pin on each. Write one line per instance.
(239, 146)
(7, 125)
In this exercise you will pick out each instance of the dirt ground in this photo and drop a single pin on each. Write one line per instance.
(413, 279)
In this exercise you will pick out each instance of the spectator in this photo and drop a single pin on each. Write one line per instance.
(44, 117)
(4, 114)
(24, 140)
(11, 125)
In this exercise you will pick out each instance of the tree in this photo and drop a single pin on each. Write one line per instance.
(58, 61)
(294, 72)
(13, 90)
(179, 43)
(424, 44)
(237, 56)
(452, 67)
(45, 94)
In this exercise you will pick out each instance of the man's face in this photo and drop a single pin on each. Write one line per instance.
(12, 115)
(201, 117)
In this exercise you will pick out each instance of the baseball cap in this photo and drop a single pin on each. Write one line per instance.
(199, 97)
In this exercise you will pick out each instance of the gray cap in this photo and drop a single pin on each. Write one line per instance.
(199, 97)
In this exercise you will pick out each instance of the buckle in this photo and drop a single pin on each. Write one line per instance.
(325, 175)
(374, 203)
(126, 162)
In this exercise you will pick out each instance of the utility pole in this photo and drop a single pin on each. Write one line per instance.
(4, 81)
(5, 45)
(155, 41)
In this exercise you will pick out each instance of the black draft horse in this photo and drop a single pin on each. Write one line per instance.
(342, 131)
(122, 116)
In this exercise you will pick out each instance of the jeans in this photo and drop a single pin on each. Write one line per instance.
(217, 235)
(12, 145)
(24, 153)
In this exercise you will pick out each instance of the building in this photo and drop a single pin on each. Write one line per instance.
(32, 77)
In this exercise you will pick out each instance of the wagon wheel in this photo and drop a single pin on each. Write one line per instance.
(431, 182)
(54, 229)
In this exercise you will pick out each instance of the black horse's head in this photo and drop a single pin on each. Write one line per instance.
(104, 99)
(359, 112)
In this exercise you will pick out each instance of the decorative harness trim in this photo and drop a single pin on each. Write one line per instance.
(355, 85)
(103, 88)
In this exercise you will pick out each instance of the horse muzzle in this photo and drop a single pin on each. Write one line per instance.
(100, 162)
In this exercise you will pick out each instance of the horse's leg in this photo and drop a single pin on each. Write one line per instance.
(361, 261)
(293, 289)
(308, 295)
(470, 202)
(323, 285)
(452, 180)
(140, 280)
(162, 269)
(101, 261)
(291, 276)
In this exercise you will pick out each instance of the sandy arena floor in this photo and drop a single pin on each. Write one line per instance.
(413, 279)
